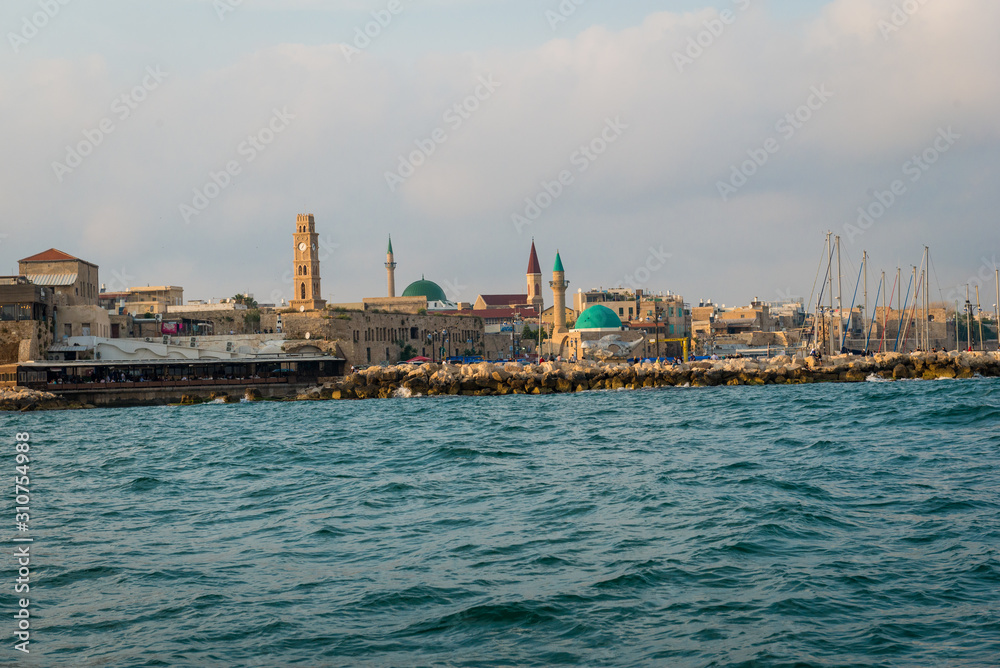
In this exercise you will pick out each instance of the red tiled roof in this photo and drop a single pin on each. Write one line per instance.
(51, 255)
(533, 266)
(504, 300)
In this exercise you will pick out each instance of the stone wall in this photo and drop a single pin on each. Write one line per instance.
(488, 379)
(23, 341)
(373, 338)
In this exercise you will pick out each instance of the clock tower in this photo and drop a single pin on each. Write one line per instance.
(306, 270)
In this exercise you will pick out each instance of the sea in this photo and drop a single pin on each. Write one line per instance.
(817, 525)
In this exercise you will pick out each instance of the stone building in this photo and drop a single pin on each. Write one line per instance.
(305, 267)
(25, 319)
(665, 312)
(75, 281)
(375, 338)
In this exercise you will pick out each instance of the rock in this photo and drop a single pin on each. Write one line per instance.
(900, 372)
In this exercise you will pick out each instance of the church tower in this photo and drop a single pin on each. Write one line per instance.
(535, 297)
(559, 285)
(306, 269)
(390, 269)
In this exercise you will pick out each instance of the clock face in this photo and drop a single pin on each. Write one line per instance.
(302, 246)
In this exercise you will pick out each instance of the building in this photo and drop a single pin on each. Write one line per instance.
(26, 312)
(486, 302)
(559, 285)
(534, 277)
(436, 298)
(305, 267)
(74, 281)
(142, 300)
(666, 313)
(390, 269)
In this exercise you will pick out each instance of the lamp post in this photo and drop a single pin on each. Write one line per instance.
(430, 344)
(656, 327)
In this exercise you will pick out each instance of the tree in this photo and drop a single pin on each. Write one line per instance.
(247, 301)
(406, 351)
(532, 334)
(251, 319)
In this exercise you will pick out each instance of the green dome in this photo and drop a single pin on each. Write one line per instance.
(598, 317)
(425, 288)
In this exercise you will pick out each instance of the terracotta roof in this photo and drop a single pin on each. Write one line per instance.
(51, 255)
(533, 266)
(504, 300)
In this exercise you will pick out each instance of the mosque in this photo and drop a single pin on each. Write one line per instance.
(598, 331)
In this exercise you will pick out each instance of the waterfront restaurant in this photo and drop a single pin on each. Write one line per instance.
(91, 375)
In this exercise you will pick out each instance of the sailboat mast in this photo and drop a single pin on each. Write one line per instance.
(899, 301)
(882, 338)
(840, 298)
(927, 298)
(957, 344)
(912, 320)
(980, 311)
(867, 318)
(829, 277)
(968, 319)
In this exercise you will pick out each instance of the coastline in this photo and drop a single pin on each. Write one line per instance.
(486, 379)
(499, 379)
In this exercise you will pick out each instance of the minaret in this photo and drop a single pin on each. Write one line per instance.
(390, 270)
(535, 297)
(559, 285)
(306, 284)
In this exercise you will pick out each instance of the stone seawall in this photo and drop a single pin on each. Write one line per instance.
(488, 379)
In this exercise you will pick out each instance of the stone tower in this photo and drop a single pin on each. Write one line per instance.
(306, 270)
(390, 270)
(559, 285)
(535, 297)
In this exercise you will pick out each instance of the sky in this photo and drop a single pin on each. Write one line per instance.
(703, 148)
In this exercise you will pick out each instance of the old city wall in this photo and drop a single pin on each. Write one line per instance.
(23, 341)
(373, 338)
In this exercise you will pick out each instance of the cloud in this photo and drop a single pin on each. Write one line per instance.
(452, 217)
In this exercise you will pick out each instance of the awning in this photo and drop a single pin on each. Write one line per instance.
(53, 279)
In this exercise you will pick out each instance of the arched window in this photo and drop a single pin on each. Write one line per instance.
(303, 291)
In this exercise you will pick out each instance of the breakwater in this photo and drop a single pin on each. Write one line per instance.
(26, 399)
(487, 379)
(495, 379)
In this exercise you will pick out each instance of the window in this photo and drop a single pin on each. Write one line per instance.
(303, 291)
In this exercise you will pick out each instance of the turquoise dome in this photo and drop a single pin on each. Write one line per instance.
(598, 316)
(424, 288)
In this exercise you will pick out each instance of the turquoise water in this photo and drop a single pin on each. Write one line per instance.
(833, 525)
